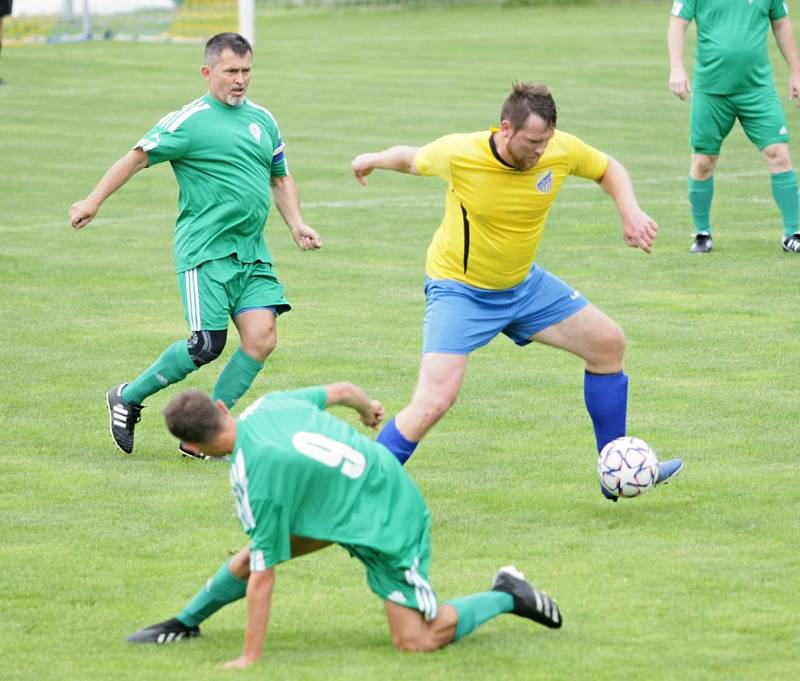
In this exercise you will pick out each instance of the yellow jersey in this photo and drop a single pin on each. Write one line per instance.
(495, 214)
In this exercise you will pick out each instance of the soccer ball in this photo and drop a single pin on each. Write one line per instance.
(627, 467)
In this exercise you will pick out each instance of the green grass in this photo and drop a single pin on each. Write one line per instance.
(700, 580)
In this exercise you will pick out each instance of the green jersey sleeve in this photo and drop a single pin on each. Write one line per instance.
(162, 144)
(316, 395)
(684, 9)
(270, 538)
(777, 10)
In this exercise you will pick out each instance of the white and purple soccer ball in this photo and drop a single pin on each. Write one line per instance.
(627, 467)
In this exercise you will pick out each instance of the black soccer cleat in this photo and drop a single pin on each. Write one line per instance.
(123, 418)
(528, 602)
(791, 244)
(702, 244)
(164, 632)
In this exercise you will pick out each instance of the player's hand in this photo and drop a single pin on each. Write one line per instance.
(794, 89)
(679, 83)
(362, 166)
(639, 231)
(82, 213)
(306, 238)
(239, 663)
(373, 415)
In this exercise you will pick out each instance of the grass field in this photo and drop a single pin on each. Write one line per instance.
(698, 580)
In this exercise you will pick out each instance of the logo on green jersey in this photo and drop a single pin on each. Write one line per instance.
(255, 131)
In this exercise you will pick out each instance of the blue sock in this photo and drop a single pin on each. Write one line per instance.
(606, 398)
(395, 442)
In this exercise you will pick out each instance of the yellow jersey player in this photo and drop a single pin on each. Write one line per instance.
(482, 279)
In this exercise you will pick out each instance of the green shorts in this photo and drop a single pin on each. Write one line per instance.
(759, 111)
(402, 581)
(222, 288)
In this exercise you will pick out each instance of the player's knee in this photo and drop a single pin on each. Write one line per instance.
(778, 157)
(436, 405)
(608, 349)
(206, 346)
(703, 166)
(615, 342)
(413, 643)
(239, 564)
(260, 347)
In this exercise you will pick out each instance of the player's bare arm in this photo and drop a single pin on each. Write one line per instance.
(638, 228)
(349, 395)
(676, 41)
(259, 603)
(83, 212)
(287, 200)
(399, 158)
(784, 36)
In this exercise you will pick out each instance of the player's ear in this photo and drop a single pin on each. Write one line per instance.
(221, 408)
(205, 71)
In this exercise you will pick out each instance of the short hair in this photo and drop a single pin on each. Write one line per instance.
(526, 99)
(234, 42)
(192, 417)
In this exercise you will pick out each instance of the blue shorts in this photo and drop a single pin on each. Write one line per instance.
(461, 318)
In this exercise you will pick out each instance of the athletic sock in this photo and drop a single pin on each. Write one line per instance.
(235, 379)
(476, 609)
(395, 442)
(606, 398)
(700, 194)
(223, 588)
(174, 365)
(784, 191)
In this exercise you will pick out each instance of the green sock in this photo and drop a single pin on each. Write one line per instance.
(174, 365)
(237, 376)
(223, 588)
(476, 609)
(700, 194)
(784, 191)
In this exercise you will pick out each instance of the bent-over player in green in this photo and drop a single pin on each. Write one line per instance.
(303, 479)
(733, 79)
(226, 153)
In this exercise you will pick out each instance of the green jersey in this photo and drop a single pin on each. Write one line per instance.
(732, 52)
(298, 470)
(223, 158)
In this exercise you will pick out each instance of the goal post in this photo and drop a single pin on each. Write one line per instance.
(247, 19)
